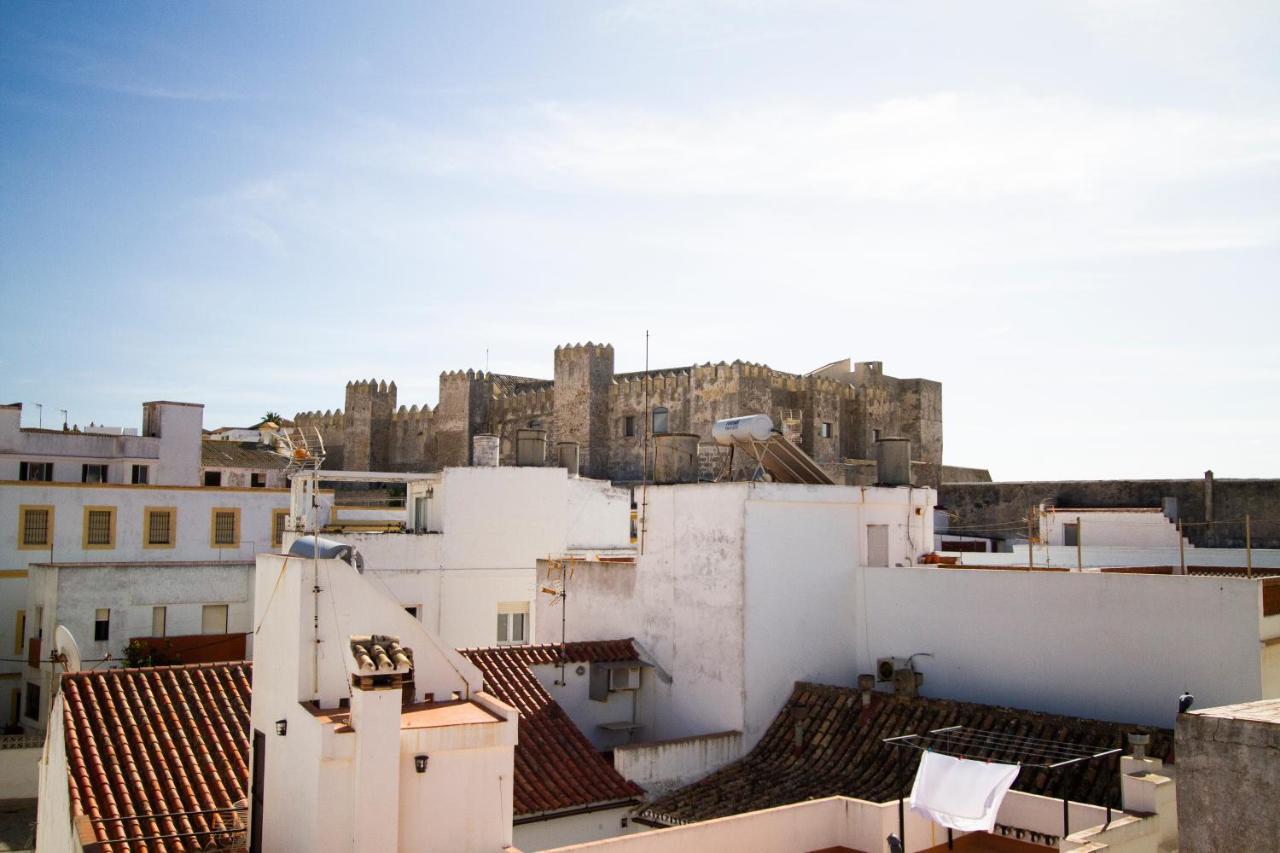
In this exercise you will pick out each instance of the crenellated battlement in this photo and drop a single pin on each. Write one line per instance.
(588, 403)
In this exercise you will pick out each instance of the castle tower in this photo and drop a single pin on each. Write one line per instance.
(463, 411)
(366, 424)
(583, 376)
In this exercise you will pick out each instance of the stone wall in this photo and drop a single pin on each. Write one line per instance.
(1219, 760)
(838, 412)
(1224, 502)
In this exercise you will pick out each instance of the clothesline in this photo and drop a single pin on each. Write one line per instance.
(980, 744)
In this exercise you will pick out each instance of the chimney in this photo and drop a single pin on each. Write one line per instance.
(377, 693)
(866, 683)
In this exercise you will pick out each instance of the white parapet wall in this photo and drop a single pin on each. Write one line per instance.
(661, 766)
(1119, 647)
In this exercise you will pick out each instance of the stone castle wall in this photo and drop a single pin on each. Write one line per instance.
(838, 413)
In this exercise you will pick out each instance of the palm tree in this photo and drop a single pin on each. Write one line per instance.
(274, 417)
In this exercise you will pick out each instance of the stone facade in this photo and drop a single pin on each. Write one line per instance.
(836, 413)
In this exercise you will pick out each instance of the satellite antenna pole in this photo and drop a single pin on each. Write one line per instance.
(306, 453)
(645, 426)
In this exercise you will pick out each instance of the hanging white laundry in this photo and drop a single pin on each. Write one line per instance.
(961, 794)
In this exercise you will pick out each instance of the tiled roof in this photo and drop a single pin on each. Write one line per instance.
(239, 454)
(557, 768)
(167, 743)
(508, 384)
(824, 743)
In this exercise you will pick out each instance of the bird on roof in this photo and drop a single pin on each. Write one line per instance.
(1185, 701)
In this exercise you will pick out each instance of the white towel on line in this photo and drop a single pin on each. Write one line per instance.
(961, 794)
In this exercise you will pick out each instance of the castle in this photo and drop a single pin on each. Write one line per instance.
(836, 413)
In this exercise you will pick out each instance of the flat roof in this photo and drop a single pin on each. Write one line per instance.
(1262, 711)
(146, 564)
(421, 715)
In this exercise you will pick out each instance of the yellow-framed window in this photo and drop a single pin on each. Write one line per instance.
(35, 527)
(224, 527)
(99, 528)
(159, 527)
(278, 518)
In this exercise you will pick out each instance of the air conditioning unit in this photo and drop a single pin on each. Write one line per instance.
(885, 668)
(624, 678)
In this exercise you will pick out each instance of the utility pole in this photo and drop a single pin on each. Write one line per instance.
(64, 419)
(1248, 549)
(1182, 551)
(1031, 540)
(1079, 544)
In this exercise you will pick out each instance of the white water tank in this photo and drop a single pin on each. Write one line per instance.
(484, 451)
(744, 429)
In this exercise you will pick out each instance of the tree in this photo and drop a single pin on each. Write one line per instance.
(274, 417)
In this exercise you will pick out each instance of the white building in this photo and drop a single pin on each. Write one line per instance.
(1126, 528)
(165, 452)
(368, 733)
(461, 553)
(242, 463)
(160, 546)
(740, 590)
(159, 613)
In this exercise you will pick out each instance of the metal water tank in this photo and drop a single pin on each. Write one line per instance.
(745, 428)
(567, 454)
(893, 462)
(675, 458)
(531, 447)
(484, 451)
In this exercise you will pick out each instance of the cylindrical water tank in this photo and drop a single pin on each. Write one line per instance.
(484, 451)
(893, 462)
(675, 458)
(531, 447)
(567, 456)
(745, 428)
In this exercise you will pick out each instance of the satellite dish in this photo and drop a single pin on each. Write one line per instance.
(67, 649)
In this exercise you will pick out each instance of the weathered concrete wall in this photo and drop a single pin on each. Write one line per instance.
(1225, 502)
(1219, 760)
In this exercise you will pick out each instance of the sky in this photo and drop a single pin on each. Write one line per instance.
(1066, 212)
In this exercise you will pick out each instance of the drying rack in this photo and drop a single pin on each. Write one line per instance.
(1003, 747)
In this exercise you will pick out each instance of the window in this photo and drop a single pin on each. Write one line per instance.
(19, 631)
(660, 426)
(213, 619)
(93, 473)
(513, 622)
(412, 611)
(1071, 534)
(102, 624)
(258, 481)
(224, 531)
(35, 526)
(159, 616)
(629, 426)
(42, 471)
(875, 435)
(32, 710)
(141, 473)
(213, 478)
(39, 623)
(278, 518)
(99, 527)
(159, 527)
(826, 430)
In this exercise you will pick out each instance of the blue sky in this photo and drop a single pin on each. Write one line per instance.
(1069, 213)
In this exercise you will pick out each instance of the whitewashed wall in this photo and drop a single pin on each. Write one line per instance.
(1117, 647)
(1128, 529)
(575, 829)
(662, 766)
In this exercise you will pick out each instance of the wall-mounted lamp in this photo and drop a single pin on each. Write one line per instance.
(420, 763)
(282, 727)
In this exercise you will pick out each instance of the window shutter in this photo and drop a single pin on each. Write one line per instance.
(598, 690)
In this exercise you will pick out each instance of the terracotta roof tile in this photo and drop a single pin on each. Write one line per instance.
(239, 454)
(151, 751)
(824, 743)
(556, 766)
